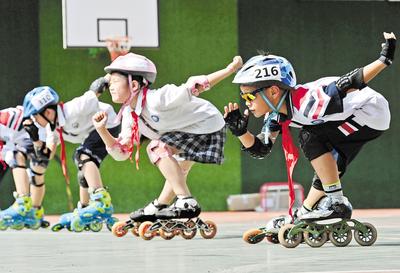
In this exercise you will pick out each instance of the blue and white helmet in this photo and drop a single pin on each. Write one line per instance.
(265, 70)
(38, 99)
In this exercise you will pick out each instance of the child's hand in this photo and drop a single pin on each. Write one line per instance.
(100, 120)
(236, 122)
(198, 84)
(388, 48)
(31, 129)
(236, 64)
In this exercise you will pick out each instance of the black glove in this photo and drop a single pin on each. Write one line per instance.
(99, 85)
(387, 53)
(33, 131)
(237, 123)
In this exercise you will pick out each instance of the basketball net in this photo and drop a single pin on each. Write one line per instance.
(118, 46)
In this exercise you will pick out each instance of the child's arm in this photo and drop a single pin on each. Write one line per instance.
(199, 84)
(238, 126)
(358, 78)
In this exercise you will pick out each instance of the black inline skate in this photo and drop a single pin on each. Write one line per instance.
(169, 223)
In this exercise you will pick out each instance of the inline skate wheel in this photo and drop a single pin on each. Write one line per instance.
(135, 229)
(315, 240)
(368, 238)
(291, 242)
(96, 226)
(18, 226)
(190, 231)
(144, 233)
(253, 236)
(57, 227)
(111, 222)
(118, 229)
(44, 224)
(77, 226)
(273, 238)
(210, 232)
(340, 236)
(35, 226)
(3, 226)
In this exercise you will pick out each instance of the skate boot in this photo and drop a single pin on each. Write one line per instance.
(147, 213)
(35, 219)
(66, 219)
(331, 219)
(168, 224)
(14, 216)
(98, 211)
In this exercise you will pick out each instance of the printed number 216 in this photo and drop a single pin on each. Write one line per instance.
(267, 72)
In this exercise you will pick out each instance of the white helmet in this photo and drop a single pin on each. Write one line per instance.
(267, 69)
(134, 64)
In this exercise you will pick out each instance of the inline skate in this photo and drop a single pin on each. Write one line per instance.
(145, 214)
(14, 217)
(332, 220)
(35, 219)
(170, 222)
(98, 211)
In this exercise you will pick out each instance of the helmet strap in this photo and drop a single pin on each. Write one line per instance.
(52, 123)
(269, 103)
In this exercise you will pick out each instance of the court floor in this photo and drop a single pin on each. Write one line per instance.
(47, 251)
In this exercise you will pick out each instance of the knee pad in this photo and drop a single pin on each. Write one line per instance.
(12, 160)
(82, 180)
(157, 150)
(316, 183)
(32, 178)
(79, 162)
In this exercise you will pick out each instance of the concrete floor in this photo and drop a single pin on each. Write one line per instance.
(46, 251)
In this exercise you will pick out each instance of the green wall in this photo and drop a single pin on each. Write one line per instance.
(192, 41)
(325, 40)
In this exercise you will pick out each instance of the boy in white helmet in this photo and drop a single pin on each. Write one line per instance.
(15, 149)
(71, 121)
(177, 122)
(338, 115)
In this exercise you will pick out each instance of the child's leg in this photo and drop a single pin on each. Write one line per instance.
(19, 174)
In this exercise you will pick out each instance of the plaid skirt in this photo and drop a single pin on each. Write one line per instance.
(207, 148)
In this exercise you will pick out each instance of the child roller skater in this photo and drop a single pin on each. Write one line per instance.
(338, 116)
(71, 121)
(16, 148)
(178, 124)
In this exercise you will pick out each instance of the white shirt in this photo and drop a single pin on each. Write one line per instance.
(167, 109)
(310, 102)
(75, 118)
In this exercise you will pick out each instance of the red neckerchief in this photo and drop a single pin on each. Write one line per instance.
(135, 137)
(1, 159)
(291, 157)
(63, 154)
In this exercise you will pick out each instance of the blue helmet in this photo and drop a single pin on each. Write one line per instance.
(38, 99)
(267, 69)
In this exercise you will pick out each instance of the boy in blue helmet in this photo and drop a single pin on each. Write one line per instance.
(15, 149)
(338, 115)
(71, 121)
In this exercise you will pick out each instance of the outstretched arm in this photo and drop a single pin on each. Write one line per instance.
(358, 78)
(199, 84)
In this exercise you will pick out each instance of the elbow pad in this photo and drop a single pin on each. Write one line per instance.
(351, 80)
(259, 150)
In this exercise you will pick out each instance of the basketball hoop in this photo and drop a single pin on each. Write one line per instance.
(118, 46)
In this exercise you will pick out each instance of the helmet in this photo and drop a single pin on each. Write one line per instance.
(267, 69)
(134, 64)
(38, 100)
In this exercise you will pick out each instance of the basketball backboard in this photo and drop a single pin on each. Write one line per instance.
(88, 23)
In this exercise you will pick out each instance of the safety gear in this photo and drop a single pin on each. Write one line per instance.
(259, 150)
(353, 79)
(267, 70)
(99, 85)
(237, 122)
(32, 130)
(134, 64)
(38, 99)
(387, 53)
